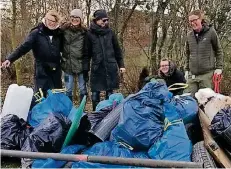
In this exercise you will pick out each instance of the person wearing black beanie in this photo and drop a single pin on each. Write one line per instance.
(106, 55)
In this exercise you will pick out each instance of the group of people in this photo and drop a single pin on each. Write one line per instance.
(76, 50)
(204, 58)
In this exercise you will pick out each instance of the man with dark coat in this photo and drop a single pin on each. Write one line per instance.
(45, 42)
(106, 55)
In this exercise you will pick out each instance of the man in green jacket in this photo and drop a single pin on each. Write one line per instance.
(204, 56)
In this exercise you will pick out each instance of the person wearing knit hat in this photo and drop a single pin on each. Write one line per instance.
(74, 34)
(106, 55)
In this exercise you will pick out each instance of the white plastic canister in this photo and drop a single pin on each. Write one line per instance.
(17, 101)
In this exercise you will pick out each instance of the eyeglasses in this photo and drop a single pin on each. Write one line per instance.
(51, 20)
(105, 20)
(164, 65)
(193, 20)
(74, 17)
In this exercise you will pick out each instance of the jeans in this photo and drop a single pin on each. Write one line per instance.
(96, 97)
(69, 83)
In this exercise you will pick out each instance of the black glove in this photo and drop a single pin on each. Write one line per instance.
(85, 76)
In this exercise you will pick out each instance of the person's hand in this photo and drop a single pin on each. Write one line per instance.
(186, 74)
(85, 76)
(5, 64)
(122, 70)
(218, 71)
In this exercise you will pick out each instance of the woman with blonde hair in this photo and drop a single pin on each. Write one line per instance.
(45, 42)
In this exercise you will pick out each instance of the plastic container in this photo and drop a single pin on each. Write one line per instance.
(17, 101)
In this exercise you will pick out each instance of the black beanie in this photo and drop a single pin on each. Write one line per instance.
(99, 14)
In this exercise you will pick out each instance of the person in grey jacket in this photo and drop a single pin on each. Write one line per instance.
(74, 35)
(204, 56)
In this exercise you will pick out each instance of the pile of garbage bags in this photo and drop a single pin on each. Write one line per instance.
(149, 124)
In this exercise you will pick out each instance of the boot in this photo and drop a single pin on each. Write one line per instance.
(94, 104)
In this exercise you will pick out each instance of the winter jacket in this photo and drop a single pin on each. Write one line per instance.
(203, 51)
(106, 56)
(47, 56)
(73, 48)
(174, 76)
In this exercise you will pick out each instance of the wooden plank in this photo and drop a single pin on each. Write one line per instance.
(214, 149)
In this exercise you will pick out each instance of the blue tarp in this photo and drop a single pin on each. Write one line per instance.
(55, 102)
(142, 120)
(51, 163)
(187, 108)
(175, 144)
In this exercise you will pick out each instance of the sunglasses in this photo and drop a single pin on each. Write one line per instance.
(105, 20)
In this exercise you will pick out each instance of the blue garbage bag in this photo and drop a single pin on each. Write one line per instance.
(51, 163)
(187, 108)
(142, 120)
(55, 102)
(174, 144)
(113, 100)
(108, 148)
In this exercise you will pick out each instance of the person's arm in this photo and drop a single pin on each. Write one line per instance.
(218, 50)
(24, 48)
(187, 57)
(87, 53)
(118, 51)
(180, 77)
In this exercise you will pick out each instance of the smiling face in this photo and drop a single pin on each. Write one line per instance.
(102, 22)
(164, 66)
(75, 20)
(51, 22)
(195, 22)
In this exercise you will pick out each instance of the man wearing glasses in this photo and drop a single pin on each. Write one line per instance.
(106, 55)
(204, 55)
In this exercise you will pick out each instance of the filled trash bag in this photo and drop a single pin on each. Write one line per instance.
(114, 100)
(112, 149)
(51, 163)
(174, 144)
(96, 117)
(14, 131)
(221, 126)
(142, 120)
(102, 131)
(47, 137)
(55, 102)
(187, 108)
(221, 121)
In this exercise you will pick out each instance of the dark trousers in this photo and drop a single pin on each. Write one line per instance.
(95, 97)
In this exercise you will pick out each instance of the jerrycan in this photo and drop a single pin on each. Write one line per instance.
(17, 101)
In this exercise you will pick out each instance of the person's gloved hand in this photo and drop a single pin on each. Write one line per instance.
(218, 71)
(85, 76)
(186, 74)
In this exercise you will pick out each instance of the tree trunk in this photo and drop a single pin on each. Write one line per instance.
(88, 2)
(13, 38)
(121, 35)
(164, 36)
(156, 19)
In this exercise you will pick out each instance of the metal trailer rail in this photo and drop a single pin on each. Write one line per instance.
(102, 159)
